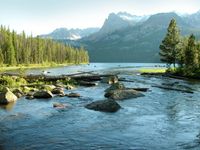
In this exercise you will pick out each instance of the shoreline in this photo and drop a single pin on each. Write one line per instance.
(35, 66)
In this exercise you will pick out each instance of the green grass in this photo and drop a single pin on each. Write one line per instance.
(152, 70)
(32, 66)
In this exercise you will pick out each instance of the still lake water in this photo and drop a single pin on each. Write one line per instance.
(160, 120)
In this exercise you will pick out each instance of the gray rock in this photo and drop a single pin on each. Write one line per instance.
(110, 79)
(123, 94)
(104, 105)
(29, 97)
(60, 85)
(87, 84)
(116, 86)
(30, 94)
(48, 87)
(73, 95)
(43, 94)
(7, 96)
(59, 105)
(18, 93)
(58, 90)
(69, 87)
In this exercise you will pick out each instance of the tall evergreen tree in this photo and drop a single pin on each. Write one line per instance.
(10, 52)
(181, 51)
(1, 58)
(191, 53)
(168, 47)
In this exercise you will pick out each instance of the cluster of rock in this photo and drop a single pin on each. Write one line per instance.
(117, 91)
(47, 91)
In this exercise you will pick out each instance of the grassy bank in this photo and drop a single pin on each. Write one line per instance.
(152, 70)
(32, 66)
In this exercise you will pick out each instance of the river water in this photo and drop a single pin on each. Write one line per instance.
(161, 120)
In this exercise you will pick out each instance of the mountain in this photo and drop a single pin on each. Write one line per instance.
(116, 22)
(194, 19)
(72, 34)
(127, 38)
(132, 40)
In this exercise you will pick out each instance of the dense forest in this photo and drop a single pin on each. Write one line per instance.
(182, 52)
(20, 49)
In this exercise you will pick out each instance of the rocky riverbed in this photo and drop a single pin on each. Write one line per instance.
(156, 119)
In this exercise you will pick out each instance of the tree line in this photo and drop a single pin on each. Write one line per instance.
(18, 49)
(183, 53)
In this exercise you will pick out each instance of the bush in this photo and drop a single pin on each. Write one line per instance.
(11, 81)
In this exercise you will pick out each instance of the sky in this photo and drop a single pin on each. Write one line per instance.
(43, 16)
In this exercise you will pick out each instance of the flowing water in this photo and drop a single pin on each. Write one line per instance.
(161, 120)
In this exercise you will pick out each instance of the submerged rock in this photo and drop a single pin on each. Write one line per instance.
(104, 105)
(7, 96)
(30, 97)
(59, 105)
(87, 84)
(61, 95)
(123, 94)
(43, 94)
(73, 95)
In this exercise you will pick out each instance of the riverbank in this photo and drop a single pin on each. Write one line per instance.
(35, 66)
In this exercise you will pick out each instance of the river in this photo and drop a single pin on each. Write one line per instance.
(161, 119)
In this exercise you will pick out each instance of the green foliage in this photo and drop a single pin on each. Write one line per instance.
(169, 45)
(20, 49)
(191, 53)
(186, 54)
(1, 57)
(12, 81)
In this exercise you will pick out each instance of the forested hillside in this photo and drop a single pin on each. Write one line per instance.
(18, 49)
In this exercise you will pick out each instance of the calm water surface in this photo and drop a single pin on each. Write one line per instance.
(160, 120)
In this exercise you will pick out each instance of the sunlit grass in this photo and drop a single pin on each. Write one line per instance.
(32, 66)
(152, 70)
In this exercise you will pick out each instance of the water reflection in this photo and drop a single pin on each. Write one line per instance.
(8, 107)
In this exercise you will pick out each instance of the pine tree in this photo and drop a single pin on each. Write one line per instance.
(181, 51)
(191, 55)
(1, 58)
(168, 47)
(10, 52)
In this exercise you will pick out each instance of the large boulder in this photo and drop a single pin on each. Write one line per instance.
(110, 79)
(43, 94)
(104, 105)
(7, 96)
(123, 94)
(116, 86)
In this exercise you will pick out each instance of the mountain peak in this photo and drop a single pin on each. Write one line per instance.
(70, 34)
